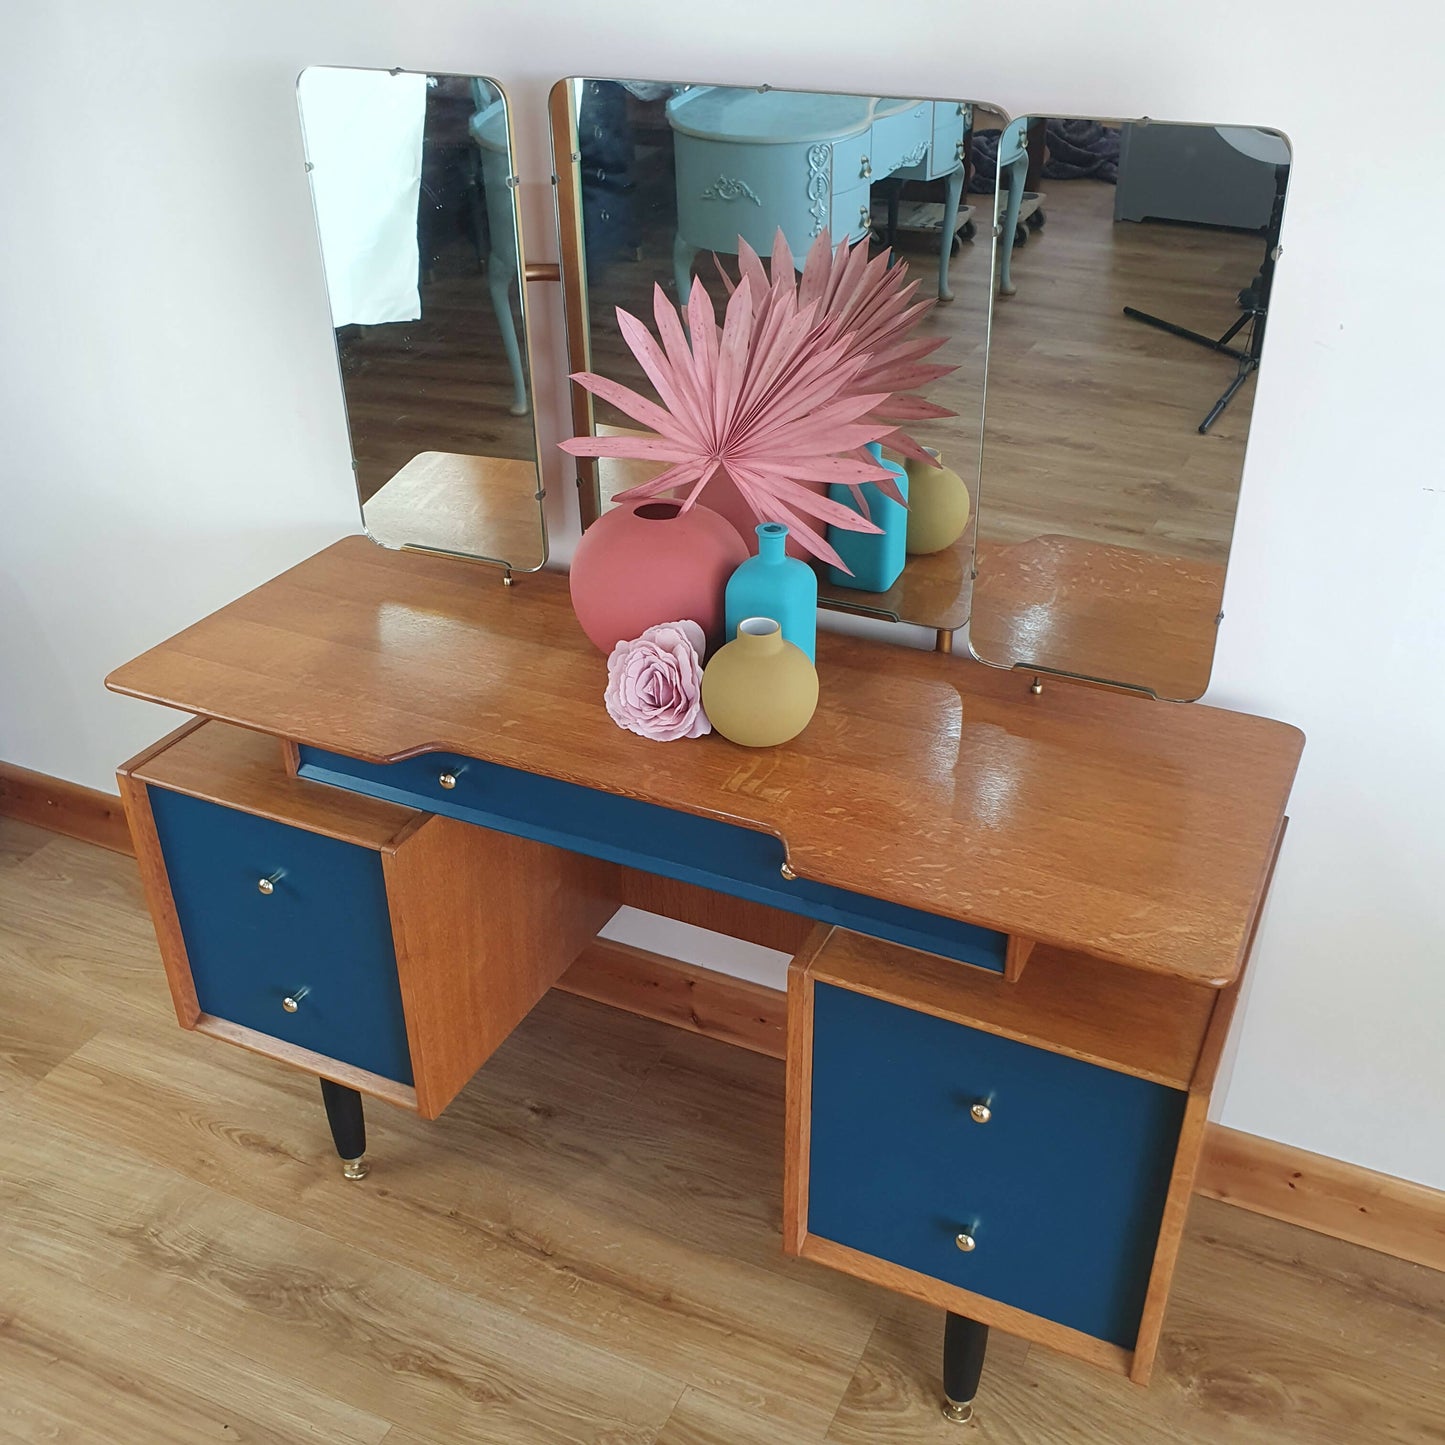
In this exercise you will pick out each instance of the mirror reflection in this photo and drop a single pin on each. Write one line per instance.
(668, 176)
(412, 182)
(1134, 264)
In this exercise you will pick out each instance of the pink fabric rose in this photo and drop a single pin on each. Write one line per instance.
(654, 685)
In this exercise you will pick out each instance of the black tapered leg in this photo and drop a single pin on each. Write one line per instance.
(348, 1127)
(965, 1342)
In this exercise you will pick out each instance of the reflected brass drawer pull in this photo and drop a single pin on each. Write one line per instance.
(965, 1242)
(980, 1113)
(292, 1001)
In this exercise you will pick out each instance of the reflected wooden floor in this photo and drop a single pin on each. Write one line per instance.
(1091, 416)
(583, 1249)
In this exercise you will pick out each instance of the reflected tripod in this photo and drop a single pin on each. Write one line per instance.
(1255, 301)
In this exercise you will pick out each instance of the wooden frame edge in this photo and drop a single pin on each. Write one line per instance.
(255, 1042)
(964, 1302)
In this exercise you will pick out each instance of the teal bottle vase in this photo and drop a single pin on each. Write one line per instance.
(772, 584)
(876, 558)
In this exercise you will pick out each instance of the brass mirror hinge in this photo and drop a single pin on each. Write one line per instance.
(542, 271)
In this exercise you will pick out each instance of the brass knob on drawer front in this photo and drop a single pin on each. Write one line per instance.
(448, 780)
(866, 170)
(965, 1241)
(268, 885)
(292, 1001)
(980, 1113)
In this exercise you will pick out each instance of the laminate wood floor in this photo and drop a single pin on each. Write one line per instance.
(583, 1249)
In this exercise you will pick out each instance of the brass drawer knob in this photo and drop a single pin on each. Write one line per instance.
(866, 170)
(292, 1001)
(965, 1241)
(980, 1113)
(268, 885)
(448, 780)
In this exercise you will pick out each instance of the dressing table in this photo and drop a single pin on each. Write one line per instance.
(1019, 907)
(407, 813)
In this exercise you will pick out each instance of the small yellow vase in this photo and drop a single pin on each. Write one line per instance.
(937, 506)
(759, 690)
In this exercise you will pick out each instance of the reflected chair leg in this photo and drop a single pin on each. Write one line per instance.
(965, 1342)
(682, 257)
(950, 225)
(499, 283)
(348, 1127)
(1017, 171)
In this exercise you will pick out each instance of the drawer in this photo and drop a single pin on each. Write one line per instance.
(850, 215)
(323, 927)
(721, 856)
(901, 140)
(1062, 1188)
(950, 120)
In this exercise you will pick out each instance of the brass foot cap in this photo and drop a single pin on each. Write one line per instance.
(959, 1411)
(355, 1168)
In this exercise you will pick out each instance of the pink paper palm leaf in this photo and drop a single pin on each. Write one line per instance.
(773, 399)
(871, 304)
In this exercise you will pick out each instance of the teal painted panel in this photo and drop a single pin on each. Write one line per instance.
(728, 859)
(325, 928)
(1063, 1189)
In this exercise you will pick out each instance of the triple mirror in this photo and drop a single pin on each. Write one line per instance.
(415, 198)
(1106, 282)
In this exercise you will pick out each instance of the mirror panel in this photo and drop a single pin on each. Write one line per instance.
(1134, 265)
(657, 180)
(412, 182)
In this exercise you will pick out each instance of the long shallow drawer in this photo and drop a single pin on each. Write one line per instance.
(318, 934)
(721, 856)
(1059, 1181)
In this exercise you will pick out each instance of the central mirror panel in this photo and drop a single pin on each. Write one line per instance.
(415, 198)
(658, 180)
(1135, 262)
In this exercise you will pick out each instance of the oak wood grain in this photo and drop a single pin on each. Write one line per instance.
(1150, 1026)
(484, 924)
(484, 506)
(1131, 831)
(1109, 614)
(700, 1000)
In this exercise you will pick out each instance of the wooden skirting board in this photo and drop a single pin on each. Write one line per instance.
(69, 808)
(1326, 1195)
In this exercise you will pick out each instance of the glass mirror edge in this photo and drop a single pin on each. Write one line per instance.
(366, 531)
(1205, 674)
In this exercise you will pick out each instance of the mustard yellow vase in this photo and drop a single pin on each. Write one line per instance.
(759, 690)
(938, 506)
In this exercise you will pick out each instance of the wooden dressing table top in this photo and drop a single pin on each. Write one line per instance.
(1137, 831)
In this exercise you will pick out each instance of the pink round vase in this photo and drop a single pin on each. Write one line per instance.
(642, 563)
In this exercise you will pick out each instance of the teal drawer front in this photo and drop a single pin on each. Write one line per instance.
(324, 928)
(720, 856)
(1062, 1190)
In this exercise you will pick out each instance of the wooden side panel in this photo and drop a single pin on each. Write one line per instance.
(159, 899)
(1016, 957)
(700, 1000)
(484, 924)
(1191, 1143)
(799, 1090)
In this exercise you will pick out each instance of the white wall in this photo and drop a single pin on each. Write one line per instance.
(172, 436)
